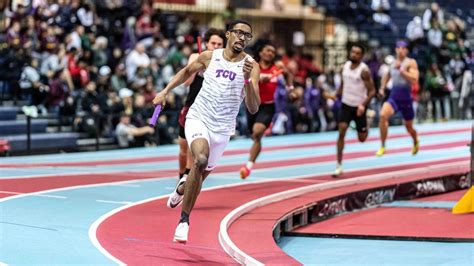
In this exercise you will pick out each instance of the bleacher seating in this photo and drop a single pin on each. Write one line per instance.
(14, 127)
(8, 113)
(43, 141)
(13, 131)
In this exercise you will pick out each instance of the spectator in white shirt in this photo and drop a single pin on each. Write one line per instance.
(380, 5)
(415, 30)
(75, 38)
(86, 16)
(128, 135)
(435, 35)
(135, 59)
(434, 12)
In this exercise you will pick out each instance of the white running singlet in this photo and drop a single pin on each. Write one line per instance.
(222, 92)
(354, 91)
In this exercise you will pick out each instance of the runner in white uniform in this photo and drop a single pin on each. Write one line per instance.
(230, 77)
(357, 89)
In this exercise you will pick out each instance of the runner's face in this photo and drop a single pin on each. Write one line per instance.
(215, 42)
(268, 53)
(401, 51)
(356, 54)
(238, 37)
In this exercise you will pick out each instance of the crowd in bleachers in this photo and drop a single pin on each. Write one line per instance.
(98, 64)
(444, 57)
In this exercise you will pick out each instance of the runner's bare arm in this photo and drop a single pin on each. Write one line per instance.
(369, 84)
(252, 91)
(199, 64)
(411, 73)
(383, 84)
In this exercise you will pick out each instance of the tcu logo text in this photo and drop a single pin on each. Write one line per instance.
(225, 74)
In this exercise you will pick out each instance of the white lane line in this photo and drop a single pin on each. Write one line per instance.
(51, 196)
(39, 195)
(114, 202)
(126, 185)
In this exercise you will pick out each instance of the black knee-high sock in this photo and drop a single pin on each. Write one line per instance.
(184, 218)
(186, 172)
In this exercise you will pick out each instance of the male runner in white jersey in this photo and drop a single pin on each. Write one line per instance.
(230, 76)
(213, 39)
(357, 89)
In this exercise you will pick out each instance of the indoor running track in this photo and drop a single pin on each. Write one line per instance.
(109, 207)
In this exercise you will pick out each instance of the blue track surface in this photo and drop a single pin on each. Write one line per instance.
(329, 251)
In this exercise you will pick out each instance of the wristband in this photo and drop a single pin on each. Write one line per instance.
(247, 81)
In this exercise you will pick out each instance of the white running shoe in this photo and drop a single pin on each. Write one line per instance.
(175, 199)
(338, 171)
(181, 233)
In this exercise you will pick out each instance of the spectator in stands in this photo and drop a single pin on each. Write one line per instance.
(432, 13)
(435, 39)
(435, 83)
(415, 33)
(14, 36)
(149, 92)
(85, 14)
(312, 101)
(99, 51)
(57, 94)
(75, 38)
(32, 87)
(128, 135)
(141, 111)
(136, 59)
(381, 13)
(145, 28)
(94, 108)
(118, 79)
(49, 41)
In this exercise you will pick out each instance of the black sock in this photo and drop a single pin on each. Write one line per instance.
(184, 218)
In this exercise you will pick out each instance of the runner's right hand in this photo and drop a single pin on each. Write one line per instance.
(160, 99)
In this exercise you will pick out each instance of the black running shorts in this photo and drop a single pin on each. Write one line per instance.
(349, 113)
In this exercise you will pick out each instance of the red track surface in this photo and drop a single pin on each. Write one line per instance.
(452, 196)
(230, 152)
(385, 221)
(142, 234)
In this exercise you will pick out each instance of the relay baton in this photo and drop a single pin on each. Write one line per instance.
(156, 113)
(199, 44)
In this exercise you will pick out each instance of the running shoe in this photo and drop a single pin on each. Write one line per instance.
(416, 147)
(175, 199)
(244, 172)
(338, 171)
(181, 233)
(380, 152)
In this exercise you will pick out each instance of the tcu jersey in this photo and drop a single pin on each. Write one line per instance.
(222, 92)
